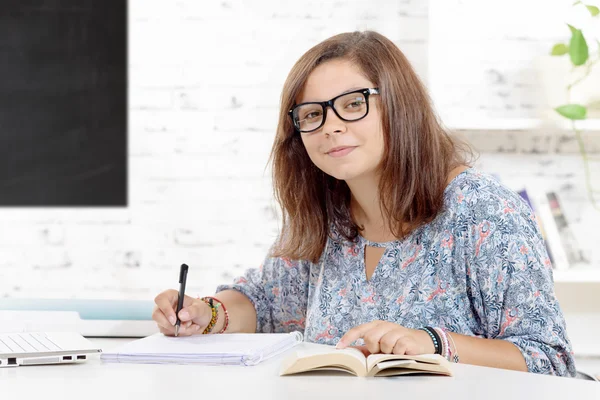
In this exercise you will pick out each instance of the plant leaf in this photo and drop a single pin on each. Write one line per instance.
(572, 111)
(578, 48)
(559, 49)
(593, 10)
(572, 28)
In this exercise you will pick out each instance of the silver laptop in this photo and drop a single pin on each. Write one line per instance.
(39, 348)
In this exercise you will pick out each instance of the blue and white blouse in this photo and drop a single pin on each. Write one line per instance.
(480, 268)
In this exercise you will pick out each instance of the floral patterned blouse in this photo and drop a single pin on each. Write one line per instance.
(480, 268)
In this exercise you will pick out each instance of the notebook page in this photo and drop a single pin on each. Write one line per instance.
(226, 348)
(202, 344)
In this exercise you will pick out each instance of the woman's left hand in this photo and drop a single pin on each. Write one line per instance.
(390, 338)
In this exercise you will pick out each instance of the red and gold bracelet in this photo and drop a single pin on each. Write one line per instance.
(213, 310)
(209, 300)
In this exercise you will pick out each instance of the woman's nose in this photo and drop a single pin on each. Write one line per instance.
(333, 123)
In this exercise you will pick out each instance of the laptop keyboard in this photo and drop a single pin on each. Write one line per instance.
(26, 343)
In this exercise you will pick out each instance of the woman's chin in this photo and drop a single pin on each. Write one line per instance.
(343, 175)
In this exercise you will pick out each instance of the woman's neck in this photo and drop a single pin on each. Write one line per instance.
(366, 209)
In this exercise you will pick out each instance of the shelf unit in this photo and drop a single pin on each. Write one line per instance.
(577, 275)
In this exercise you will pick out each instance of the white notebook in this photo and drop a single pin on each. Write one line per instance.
(225, 349)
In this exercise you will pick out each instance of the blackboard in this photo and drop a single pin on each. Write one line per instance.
(63, 103)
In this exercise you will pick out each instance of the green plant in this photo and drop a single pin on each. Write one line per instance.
(579, 55)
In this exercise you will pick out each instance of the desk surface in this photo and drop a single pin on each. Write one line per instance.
(97, 380)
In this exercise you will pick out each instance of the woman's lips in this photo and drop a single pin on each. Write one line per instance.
(341, 152)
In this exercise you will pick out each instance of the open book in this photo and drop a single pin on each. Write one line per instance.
(353, 361)
(225, 349)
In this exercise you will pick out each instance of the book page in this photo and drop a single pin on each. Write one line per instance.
(327, 349)
(406, 367)
(375, 359)
(323, 357)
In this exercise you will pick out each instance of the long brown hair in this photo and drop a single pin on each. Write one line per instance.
(419, 152)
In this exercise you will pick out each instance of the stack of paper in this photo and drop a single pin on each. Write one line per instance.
(225, 349)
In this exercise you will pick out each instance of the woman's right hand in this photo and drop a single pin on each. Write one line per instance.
(194, 316)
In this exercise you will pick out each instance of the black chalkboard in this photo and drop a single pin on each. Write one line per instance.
(63, 103)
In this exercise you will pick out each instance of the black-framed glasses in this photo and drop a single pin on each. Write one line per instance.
(351, 106)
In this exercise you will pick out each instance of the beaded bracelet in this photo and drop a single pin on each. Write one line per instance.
(213, 311)
(438, 339)
(434, 336)
(220, 303)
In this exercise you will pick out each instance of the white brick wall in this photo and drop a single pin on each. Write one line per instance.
(205, 80)
(490, 60)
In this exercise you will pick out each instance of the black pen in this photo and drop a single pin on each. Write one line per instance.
(182, 279)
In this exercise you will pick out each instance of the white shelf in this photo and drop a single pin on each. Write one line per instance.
(577, 275)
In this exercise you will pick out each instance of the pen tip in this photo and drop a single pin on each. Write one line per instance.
(176, 330)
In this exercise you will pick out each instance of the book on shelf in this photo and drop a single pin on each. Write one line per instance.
(353, 361)
(567, 237)
(538, 203)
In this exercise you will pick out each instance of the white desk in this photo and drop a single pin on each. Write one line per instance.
(96, 380)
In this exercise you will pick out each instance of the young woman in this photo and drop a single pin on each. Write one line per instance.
(389, 238)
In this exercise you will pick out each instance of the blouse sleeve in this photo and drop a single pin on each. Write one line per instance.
(511, 284)
(278, 289)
